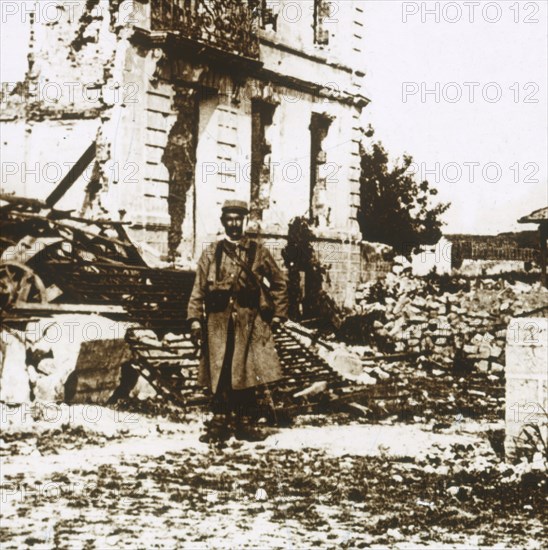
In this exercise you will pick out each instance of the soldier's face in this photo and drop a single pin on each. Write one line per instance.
(233, 222)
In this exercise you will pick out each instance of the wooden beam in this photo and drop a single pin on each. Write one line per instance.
(543, 234)
(72, 175)
(67, 308)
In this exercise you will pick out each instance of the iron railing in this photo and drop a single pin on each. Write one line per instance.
(227, 25)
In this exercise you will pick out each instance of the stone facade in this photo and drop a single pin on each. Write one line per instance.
(191, 103)
(343, 261)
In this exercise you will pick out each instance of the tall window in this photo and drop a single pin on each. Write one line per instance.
(318, 208)
(322, 9)
(262, 113)
(263, 11)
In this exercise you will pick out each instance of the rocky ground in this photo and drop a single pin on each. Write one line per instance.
(91, 477)
(414, 461)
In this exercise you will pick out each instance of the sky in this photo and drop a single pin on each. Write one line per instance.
(462, 87)
(466, 96)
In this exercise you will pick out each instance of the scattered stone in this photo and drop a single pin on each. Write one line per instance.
(314, 389)
(381, 374)
(497, 367)
(483, 366)
(496, 351)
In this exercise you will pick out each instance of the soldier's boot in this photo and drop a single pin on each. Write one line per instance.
(217, 430)
(246, 431)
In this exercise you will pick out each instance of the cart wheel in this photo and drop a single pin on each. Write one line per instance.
(19, 284)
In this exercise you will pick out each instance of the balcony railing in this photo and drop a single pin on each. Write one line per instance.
(227, 25)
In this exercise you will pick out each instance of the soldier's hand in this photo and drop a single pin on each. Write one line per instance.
(277, 322)
(196, 334)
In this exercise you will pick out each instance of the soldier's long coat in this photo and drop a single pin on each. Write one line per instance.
(255, 359)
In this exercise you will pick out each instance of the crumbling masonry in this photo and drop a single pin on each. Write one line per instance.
(190, 103)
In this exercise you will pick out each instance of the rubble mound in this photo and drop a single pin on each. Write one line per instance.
(456, 322)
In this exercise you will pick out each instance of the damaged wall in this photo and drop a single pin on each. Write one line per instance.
(173, 125)
(77, 77)
(53, 109)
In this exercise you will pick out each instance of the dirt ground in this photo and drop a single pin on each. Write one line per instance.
(90, 477)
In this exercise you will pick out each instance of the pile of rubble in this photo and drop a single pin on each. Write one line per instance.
(452, 322)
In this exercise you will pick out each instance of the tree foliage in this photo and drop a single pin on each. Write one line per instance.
(394, 208)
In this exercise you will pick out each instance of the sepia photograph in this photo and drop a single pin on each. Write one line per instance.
(273, 274)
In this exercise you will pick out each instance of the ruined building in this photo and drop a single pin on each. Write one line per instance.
(185, 103)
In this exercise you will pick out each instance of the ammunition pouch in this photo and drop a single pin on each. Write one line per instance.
(248, 297)
(256, 297)
(217, 300)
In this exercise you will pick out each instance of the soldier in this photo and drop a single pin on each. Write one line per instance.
(239, 296)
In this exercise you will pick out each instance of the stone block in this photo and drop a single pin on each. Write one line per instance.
(484, 351)
(496, 351)
(483, 366)
(64, 335)
(98, 371)
(14, 378)
(526, 379)
(497, 367)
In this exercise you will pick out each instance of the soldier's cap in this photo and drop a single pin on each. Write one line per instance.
(235, 206)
